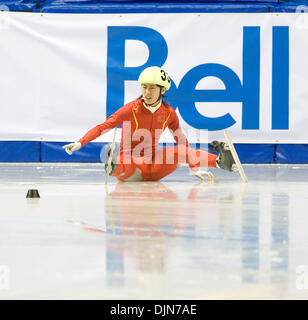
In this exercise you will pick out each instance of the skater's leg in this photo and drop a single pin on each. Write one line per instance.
(166, 161)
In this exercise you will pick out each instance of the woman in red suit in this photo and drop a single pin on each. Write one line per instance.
(143, 121)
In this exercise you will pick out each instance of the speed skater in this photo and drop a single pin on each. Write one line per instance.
(143, 121)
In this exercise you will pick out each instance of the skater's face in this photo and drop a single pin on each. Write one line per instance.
(151, 93)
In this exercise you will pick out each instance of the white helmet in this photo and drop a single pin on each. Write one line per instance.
(155, 75)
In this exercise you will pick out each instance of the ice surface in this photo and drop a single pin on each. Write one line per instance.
(173, 239)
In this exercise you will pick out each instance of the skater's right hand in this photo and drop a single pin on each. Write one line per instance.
(71, 147)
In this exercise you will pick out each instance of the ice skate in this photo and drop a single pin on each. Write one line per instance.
(225, 159)
(111, 158)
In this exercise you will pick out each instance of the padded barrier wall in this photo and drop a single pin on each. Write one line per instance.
(34, 151)
(145, 6)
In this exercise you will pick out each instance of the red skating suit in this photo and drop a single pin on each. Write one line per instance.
(139, 157)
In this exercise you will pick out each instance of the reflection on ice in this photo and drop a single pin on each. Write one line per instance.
(173, 239)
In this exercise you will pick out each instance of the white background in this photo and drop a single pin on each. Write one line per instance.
(53, 70)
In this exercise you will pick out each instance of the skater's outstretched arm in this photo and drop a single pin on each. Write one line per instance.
(111, 122)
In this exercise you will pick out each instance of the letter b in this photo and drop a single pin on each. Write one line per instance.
(117, 73)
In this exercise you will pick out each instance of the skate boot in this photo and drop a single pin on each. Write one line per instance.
(111, 154)
(225, 159)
